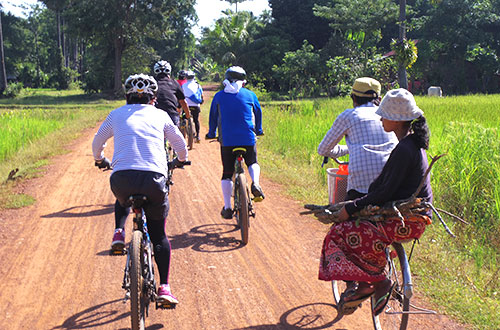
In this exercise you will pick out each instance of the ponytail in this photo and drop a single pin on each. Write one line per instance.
(421, 132)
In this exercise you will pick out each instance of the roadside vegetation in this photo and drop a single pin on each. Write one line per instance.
(37, 125)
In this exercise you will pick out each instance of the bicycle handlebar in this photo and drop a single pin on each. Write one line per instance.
(340, 162)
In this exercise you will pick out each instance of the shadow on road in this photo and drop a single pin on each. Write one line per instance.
(70, 212)
(96, 316)
(207, 238)
(314, 316)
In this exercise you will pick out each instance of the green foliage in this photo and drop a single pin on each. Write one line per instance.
(12, 90)
(301, 73)
(406, 52)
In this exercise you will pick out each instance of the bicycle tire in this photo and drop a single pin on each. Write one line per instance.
(137, 302)
(190, 134)
(337, 288)
(242, 210)
(396, 314)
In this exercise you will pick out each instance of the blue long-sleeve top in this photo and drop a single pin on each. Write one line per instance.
(237, 117)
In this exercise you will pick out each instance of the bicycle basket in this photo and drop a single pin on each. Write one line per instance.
(337, 185)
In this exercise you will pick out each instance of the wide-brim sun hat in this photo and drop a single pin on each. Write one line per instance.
(399, 105)
(366, 87)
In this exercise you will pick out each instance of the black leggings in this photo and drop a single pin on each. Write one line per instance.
(195, 113)
(151, 184)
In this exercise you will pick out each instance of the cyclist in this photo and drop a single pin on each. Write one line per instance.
(181, 77)
(194, 98)
(355, 250)
(236, 114)
(169, 92)
(140, 166)
(367, 144)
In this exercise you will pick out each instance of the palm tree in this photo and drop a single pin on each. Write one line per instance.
(236, 2)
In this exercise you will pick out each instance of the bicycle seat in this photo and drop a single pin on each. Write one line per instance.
(138, 200)
(239, 151)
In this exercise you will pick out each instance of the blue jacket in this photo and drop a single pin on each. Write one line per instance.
(237, 117)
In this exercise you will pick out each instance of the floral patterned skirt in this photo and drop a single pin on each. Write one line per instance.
(355, 250)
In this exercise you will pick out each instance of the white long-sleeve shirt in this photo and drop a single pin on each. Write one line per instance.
(368, 145)
(139, 132)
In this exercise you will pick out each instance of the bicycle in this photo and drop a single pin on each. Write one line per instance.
(138, 280)
(187, 130)
(243, 204)
(397, 312)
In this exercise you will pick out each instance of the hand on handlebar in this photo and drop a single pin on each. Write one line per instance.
(103, 164)
(176, 163)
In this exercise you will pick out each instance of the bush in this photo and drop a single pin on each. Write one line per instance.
(13, 90)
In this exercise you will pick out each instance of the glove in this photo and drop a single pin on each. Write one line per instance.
(103, 164)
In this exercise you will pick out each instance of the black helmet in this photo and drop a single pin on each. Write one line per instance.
(235, 73)
(182, 74)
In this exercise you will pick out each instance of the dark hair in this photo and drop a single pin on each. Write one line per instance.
(138, 98)
(421, 132)
(360, 100)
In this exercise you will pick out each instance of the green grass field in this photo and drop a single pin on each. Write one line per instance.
(37, 125)
(458, 276)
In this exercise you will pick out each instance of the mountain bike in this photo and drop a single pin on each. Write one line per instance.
(138, 280)
(187, 130)
(243, 204)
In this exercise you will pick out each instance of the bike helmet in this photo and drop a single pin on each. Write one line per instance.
(235, 73)
(190, 74)
(141, 84)
(162, 67)
(182, 74)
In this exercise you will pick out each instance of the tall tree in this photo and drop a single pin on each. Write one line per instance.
(125, 23)
(3, 73)
(236, 2)
(402, 78)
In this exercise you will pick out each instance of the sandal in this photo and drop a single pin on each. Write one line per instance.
(354, 301)
(383, 295)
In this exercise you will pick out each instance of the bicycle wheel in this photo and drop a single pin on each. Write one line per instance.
(396, 313)
(183, 127)
(190, 134)
(242, 210)
(137, 299)
(337, 288)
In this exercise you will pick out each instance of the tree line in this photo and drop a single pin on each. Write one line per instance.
(300, 48)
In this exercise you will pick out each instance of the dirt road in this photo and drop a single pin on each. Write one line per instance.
(56, 271)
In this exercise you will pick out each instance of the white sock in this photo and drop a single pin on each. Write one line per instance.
(254, 171)
(227, 190)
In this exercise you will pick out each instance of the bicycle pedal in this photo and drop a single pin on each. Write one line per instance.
(165, 305)
(118, 252)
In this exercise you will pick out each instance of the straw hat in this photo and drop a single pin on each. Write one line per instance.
(399, 105)
(366, 87)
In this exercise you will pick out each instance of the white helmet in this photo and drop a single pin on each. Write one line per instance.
(141, 84)
(162, 67)
(190, 74)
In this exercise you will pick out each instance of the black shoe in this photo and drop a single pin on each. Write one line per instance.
(257, 192)
(226, 213)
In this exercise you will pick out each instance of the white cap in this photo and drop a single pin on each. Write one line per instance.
(399, 105)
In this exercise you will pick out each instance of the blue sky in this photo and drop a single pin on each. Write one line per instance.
(208, 10)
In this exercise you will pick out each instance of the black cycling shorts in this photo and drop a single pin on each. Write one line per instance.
(228, 159)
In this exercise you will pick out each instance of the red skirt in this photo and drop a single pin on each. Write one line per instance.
(355, 250)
